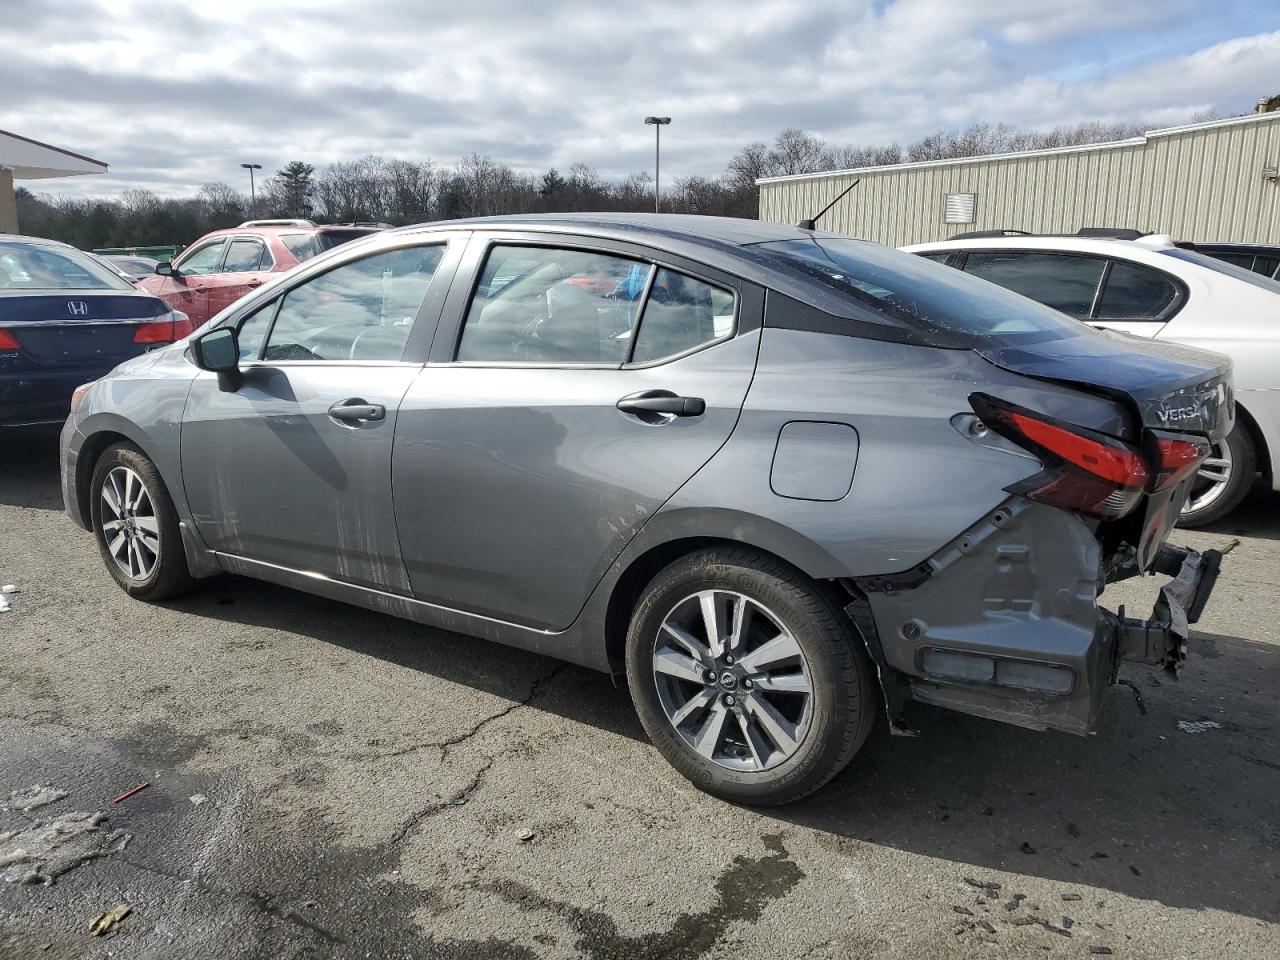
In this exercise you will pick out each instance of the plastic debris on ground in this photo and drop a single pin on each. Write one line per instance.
(32, 798)
(197, 799)
(45, 849)
(106, 922)
(6, 592)
(1198, 726)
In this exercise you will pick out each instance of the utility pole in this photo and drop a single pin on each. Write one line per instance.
(657, 123)
(253, 193)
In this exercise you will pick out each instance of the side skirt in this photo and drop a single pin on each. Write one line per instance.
(563, 645)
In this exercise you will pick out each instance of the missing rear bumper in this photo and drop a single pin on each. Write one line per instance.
(1161, 640)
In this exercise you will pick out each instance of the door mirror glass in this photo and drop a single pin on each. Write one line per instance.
(165, 269)
(216, 350)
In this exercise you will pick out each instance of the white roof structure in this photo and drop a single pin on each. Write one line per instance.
(28, 159)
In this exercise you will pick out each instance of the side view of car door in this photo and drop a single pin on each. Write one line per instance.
(187, 287)
(573, 387)
(291, 467)
(246, 265)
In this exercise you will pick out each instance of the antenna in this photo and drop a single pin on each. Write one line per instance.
(812, 224)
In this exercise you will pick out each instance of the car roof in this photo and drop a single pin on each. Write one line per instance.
(38, 241)
(1099, 245)
(679, 227)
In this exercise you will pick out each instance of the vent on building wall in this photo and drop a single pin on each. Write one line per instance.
(960, 207)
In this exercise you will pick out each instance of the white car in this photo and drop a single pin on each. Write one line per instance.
(1150, 287)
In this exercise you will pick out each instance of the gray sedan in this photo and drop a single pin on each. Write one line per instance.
(782, 480)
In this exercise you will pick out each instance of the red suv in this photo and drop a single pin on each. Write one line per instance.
(224, 265)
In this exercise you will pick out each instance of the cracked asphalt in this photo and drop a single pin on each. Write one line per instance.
(378, 789)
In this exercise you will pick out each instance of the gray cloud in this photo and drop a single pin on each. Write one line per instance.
(174, 94)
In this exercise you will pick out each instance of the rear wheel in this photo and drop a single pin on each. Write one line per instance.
(1222, 481)
(136, 526)
(748, 677)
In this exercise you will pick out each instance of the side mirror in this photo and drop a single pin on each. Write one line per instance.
(166, 269)
(219, 352)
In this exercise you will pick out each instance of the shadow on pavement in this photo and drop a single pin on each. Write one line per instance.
(1257, 516)
(1143, 808)
(29, 468)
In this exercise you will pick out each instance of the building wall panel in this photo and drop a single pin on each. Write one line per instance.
(1200, 183)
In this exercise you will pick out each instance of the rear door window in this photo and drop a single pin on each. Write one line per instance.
(244, 256)
(1064, 282)
(1135, 292)
(552, 305)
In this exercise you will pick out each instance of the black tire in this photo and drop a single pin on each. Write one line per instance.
(1244, 467)
(843, 699)
(169, 575)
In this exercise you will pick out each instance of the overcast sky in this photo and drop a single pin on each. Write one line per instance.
(174, 94)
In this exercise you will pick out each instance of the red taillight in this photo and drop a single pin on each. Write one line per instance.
(1084, 471)
(1177, 456)
(8, 341)
(1107, 459)
(182, 327)
(157, 331)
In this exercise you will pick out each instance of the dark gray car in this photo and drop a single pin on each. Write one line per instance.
(782, 479)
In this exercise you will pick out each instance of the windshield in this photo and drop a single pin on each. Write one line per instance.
(917, 293)
(1221, 266)
(28, 266)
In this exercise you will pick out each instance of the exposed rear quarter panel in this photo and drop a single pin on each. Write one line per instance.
(918, 481)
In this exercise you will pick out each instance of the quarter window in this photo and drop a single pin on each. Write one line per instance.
(551, 305)
(202, 260)
(1135, 292)
(363, 310)
(244, 256)
(253, 331)
(1057, 280)
(681, 313)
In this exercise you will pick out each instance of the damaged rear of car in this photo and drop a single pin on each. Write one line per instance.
(1097, 437)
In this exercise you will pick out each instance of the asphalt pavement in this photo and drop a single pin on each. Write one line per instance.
(323, 781)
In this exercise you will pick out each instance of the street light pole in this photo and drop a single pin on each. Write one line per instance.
(657, 123)
(253, 193)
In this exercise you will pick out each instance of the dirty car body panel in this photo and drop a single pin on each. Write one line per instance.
(831, 423)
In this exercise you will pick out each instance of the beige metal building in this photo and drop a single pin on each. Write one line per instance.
(1218, 180)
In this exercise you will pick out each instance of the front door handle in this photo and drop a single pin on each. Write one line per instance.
(658, 404)
(356, 410)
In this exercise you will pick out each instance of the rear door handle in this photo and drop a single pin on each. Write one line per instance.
(356, 410)
(655, 403)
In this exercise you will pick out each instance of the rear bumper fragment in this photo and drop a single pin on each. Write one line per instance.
(1161, 640)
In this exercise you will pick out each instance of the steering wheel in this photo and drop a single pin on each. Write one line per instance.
(351, 354)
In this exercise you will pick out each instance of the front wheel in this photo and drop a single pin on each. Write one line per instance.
(136, 525)
(1222, 481)
(748, 677)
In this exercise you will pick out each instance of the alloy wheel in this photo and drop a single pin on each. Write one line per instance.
(732, 680)
(130, 527)
(1211, 479)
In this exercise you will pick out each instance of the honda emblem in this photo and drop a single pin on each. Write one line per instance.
(77, 308)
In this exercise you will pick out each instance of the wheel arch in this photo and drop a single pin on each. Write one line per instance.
(1260, 446)
(640, 565)
(90, 453)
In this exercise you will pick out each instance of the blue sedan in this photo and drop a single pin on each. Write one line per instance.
(66, 319)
